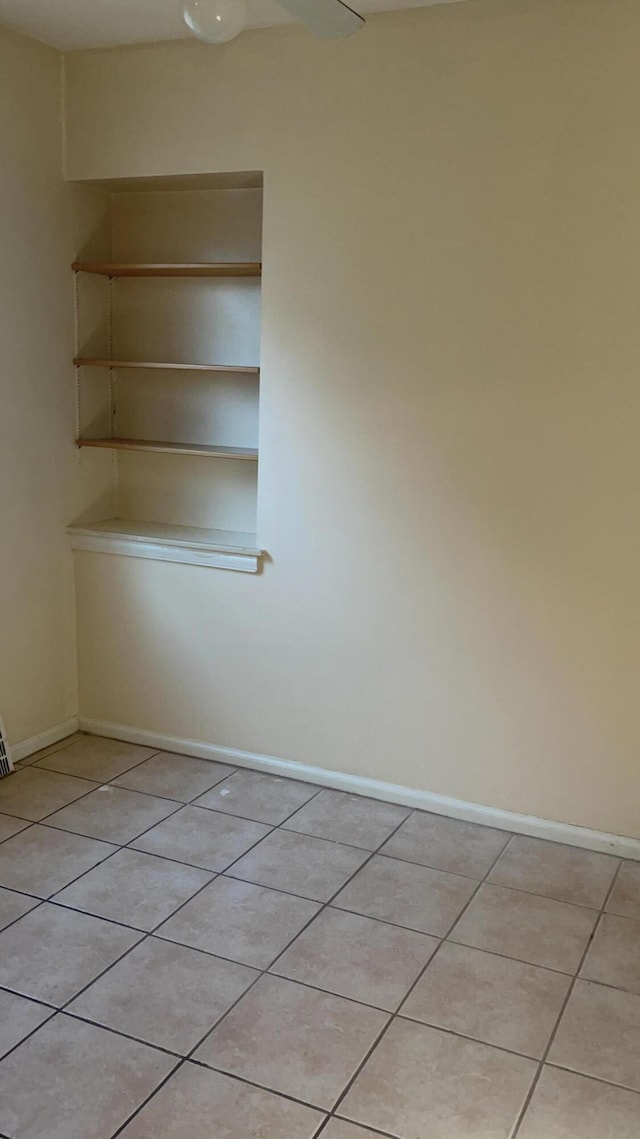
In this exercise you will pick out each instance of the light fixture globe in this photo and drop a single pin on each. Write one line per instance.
(215, 21)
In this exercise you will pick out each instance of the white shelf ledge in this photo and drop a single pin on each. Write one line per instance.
(159, 541)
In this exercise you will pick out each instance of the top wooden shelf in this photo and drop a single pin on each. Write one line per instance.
(194, 269)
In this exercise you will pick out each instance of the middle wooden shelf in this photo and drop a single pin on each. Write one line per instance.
(211, 449)
(102, 362)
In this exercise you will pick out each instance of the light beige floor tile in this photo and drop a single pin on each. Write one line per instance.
(240, 921)
(179, 777)
(405, 894)
(164, 994)
(293, 1040)
(41, 860)
(202, 838)
(492, 999)
(194, 1097)
(9, 826)
(599, 1035)
(52, 953)
(137, 889)
(447, 844)
(71, 1080)
(310, 867)
(348, 818)
(538, 930)
(556, 871)
(18, 1018)
(566, 1106)
(625, 896)
(112, 814)
(423, 1082)
(614, 956)
(340, 1129)
(14, 906)
(93, 757)
(33, 793)
(357, 957)
(252, 795)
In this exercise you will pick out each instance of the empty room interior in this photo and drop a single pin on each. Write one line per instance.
(319, 609)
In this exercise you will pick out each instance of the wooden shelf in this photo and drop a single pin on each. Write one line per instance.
(160, 541)
(194, 269)
(100, 362)
(210, 449)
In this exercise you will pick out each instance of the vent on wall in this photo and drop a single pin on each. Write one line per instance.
(6, 766)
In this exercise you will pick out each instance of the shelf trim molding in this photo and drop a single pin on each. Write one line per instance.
(184, 553)
(157, 446)
(167, 269)
(104, 362)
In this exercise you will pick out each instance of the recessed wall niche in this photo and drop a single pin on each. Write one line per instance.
(167, 286)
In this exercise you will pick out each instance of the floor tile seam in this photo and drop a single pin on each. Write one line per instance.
(445, 938)
(109, 842)
(144, 935)
(265, 972)
(332, 841)
(103, 782)
(378, 849)
(548, 897)
(39, 902)
(48, 814)
(534, 894)
(29, 822)
(326, 905)
(508, 957)
(53, 749)
(54, 901)
(385, 1028)
(541, 1066)
(117, 847)
(238, 771)
(374, 1130)
(147, 1099)
(610, 1083)
(260, 1087)
(156, 794)
(397, 1015)
(558, 842)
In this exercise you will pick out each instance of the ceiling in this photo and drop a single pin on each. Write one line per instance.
(70, 24)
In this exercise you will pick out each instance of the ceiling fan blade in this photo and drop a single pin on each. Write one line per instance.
(328, 19)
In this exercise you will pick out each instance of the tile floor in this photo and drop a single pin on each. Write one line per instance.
(191, 950)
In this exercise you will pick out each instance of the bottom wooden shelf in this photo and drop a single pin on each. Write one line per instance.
(161, 541)
(212, 449)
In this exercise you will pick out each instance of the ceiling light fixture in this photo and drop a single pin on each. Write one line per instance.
(215, 21)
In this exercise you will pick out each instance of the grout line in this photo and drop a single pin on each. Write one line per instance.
(357, 1126)
(396, 1016)
(330, 904)
(22, 830)
(261, 973)
(536, 1079)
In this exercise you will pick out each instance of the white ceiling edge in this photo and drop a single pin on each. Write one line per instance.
(72, 25)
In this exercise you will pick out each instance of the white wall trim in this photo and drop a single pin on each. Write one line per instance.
(566, 833)
(44, 739)
(165, 552)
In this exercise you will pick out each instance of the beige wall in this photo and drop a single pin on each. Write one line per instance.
(450, 411)
(37, 648)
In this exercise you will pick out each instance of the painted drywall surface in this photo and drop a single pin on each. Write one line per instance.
(449, 409)
(37, 640)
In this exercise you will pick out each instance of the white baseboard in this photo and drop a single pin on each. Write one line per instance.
(566, 833)
(44, 739)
